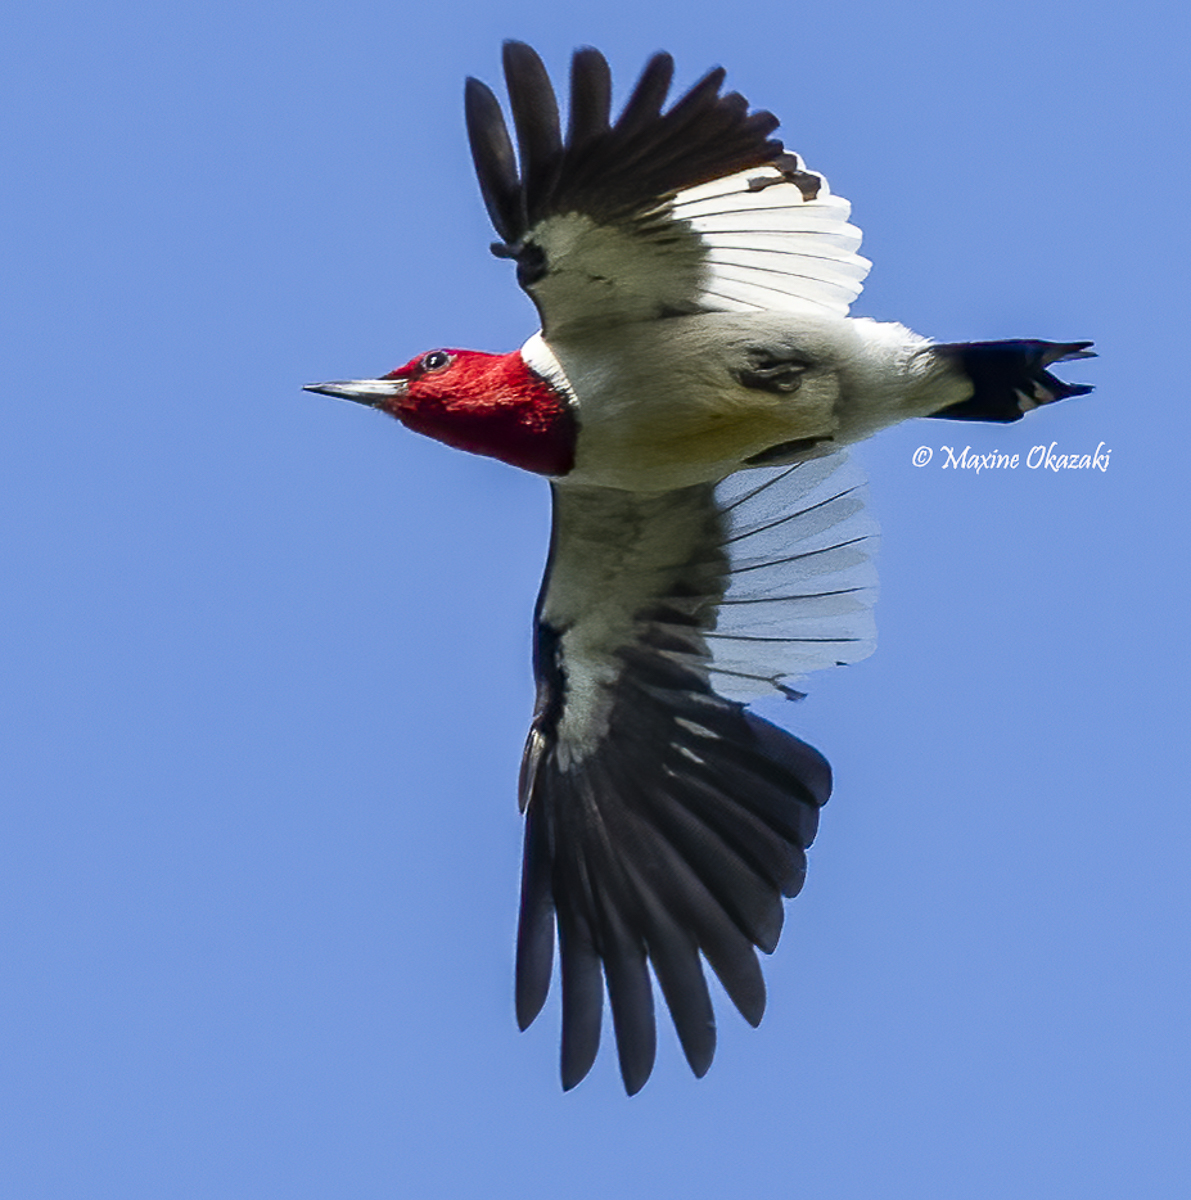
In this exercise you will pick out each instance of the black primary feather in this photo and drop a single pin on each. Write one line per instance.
(535, 116)
(607, 171)
(673, 832)
(496, 165)
(591, 99)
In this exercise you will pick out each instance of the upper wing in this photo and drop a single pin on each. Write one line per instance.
(665, 820)
(695, 209)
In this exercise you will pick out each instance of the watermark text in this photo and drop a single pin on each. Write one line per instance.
(1040, 458)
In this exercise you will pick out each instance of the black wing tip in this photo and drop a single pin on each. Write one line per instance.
(492, 154)
(644, 156)
(576, 1061)
(714, 78)
(753, 1009)
(721, 909)
(517, 55)
(635, 1071)
(580, 1046)
(529, 1000)
(700, 1066)
(767, 934)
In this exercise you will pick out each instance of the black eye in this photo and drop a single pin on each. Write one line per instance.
(435, 360)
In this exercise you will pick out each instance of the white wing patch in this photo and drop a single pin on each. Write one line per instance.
(801, 582)
(767, 248)
(758, 583)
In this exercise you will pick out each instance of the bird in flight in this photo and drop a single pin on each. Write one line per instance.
(688, 397)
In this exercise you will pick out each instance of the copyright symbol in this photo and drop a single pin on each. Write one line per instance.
(922, 456)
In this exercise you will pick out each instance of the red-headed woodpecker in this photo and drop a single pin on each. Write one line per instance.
(694, 381)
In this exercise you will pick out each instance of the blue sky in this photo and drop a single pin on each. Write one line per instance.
(266, 657)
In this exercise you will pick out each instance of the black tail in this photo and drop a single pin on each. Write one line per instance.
(1010, 378)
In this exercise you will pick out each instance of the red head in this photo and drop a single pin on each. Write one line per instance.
(490, 404)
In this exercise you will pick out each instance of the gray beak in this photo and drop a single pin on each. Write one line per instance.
(372, 392)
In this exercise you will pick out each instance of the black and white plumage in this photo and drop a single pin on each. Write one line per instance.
(689, 395)
(664, 819)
